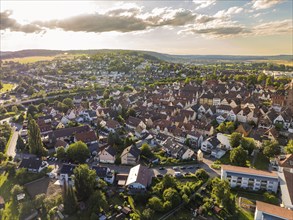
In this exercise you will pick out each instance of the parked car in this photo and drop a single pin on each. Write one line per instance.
(190, 167)
(177, 174)
(160, 176)
(161, 168)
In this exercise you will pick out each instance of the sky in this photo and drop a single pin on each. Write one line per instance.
(224, 27)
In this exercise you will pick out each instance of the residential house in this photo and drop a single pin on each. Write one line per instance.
(67, 133)
(110, 125)
(108, 155)
(249, 178)
(32, 164)
(139, 178)
(209, 144)
(244, 129)
(130, 155)
(65, 173)
(88, 137)
(104, 173)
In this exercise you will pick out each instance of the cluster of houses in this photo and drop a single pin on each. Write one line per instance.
(180, 118)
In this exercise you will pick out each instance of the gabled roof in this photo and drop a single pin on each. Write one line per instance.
(132, 121)
(86, 137)
(133, 150)
(67, 169)
(101, 171)
(274, 210)
(110, 150)
(287, 162)
(139, 174)
(246, 170)
(31, 163)
(64, 132)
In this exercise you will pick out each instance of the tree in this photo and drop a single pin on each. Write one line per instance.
(70, 200)
(78, 152)
(39, 200)
(248, 144)
(172, 196)
(156, 204)
(271, 148)
(131, 112)
(148, 214)
(1, 85)
(16, 189)
(84, 180)
(14, 109)
(68, 102)
(106, 94)
(31, 110)
(201, 174)
(146, 150)
(238, 156)
(34, 138)
(221, 191)
(289, 147)
(20, 143)
(61, 154)
(222, 128)
(2, 157)
(235, 139)
(270, 198)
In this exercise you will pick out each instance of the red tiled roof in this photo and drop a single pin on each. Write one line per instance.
(274, 210)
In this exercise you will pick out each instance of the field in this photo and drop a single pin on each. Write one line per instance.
(6, 88)
(34, 59)
(279, 62)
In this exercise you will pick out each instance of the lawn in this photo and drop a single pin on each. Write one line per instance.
(32, 59)
(245, 215)
(261, 162)
(6, 87)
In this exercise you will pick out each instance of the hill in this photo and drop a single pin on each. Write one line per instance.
(160, 56)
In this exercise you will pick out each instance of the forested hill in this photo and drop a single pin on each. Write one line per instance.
(161, 56)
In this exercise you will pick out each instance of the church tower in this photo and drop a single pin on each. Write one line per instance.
(289, 96)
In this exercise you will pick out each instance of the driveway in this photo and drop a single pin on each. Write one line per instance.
(12, 144)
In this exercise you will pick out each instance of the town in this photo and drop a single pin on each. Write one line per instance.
(125, 135)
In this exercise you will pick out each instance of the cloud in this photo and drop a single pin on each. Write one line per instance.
(11, 24)
(229, 29)
(274, 28)
(221, 31)
(120, 20)
(229, 12)
(264, 4)
(204, 3)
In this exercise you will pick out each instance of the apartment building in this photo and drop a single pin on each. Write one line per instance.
(249, 178)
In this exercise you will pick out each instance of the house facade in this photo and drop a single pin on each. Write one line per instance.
(249, 178)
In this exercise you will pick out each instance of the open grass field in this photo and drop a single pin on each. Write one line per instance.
(30, 59)
(6, 88)
(34, 59)
(261, 162)
(279, 62)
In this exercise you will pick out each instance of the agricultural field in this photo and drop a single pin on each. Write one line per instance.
(34, 59)
(6, 87)
(279, 62)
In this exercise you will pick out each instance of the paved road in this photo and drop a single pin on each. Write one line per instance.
(12, 144)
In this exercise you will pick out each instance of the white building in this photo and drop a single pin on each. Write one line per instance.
(249, 178)
(139, 177)
(266, 211)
